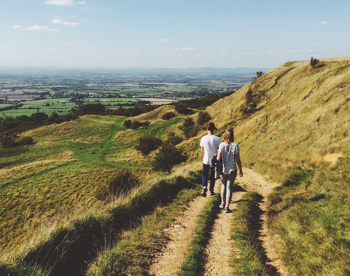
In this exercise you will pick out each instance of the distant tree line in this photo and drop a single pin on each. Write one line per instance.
(204, 102)
(10, 127)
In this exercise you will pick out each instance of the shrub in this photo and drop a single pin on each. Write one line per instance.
(26, 140)
(182, 109)
(148, 144)
(8, 142)
(167, 157)
(127, 123)
(188, 128)
(121, 185)
(91, 109)
(203, 117)
(313, 62)
(250, 103)
(135, 125)
(168, 115)
(174, 140)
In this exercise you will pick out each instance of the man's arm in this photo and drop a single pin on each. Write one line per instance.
(202, 149)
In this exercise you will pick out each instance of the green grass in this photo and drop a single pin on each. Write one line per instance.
(249, 261)
(289, 63)
(195, 258)
(73, 243)
(309, 221)
(134, 254)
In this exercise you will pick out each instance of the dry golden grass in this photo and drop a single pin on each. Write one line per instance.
(303, 113)
(155, 114)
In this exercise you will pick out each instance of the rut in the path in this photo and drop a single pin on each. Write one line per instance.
(257, 183)
(220, 249)
(170, 259)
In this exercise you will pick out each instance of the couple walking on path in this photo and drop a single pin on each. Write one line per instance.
(220, 157)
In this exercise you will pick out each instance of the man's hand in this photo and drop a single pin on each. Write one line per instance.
(241, 173)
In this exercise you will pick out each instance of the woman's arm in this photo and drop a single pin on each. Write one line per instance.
(219, 156)
(238, 159)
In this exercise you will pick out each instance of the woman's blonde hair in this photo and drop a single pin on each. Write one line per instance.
(228, 136)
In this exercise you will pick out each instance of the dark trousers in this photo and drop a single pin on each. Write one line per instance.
(205, 172)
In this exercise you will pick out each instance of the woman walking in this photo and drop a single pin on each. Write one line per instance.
(229, 153)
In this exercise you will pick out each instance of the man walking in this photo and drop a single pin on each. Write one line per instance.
(209, 146)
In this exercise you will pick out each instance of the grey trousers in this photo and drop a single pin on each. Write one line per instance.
(227, 185)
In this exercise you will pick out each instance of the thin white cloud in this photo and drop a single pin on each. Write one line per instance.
(186, 49)
(40, 28)
(325, 23)
(163, 40)
(17, 27)
(242, 27)
(64, 2)
(132, 50)
(65, 23)
(129, 51)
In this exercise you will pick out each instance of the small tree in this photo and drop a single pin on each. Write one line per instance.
(182, 109)
(148, 144)
(187, 127)
(26, 140)
(168, 115)
(313, 62)
(203, 117)
(167, 157)
(135, 125)
(127, 123)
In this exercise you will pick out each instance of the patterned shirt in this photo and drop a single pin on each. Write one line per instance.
(228, 152)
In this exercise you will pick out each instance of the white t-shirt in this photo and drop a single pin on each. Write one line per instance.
(210, 143)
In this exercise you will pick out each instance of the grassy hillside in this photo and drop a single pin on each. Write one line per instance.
(301, 118)
(292, 124)
(298, 134)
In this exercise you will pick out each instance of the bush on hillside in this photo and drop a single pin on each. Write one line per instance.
(189, 128)
(91, 109)
(250, 103)
(167, 157)
(182, 109)
(148, 144)
(8, 142)
(26, 140)
(127, 123)
(313, 62)
(120, 185)
(168, 115)
(203, 117)
(174, 140)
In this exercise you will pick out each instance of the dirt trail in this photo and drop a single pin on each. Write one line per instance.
(252, 181)
(169, 261)
(220, 248)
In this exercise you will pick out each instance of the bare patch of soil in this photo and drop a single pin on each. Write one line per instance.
(252, 181)
(221, 248)
(170, 259)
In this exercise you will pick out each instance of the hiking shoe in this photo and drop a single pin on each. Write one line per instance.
(227, 210)
(204, 192)
(212, 193)
(222, 205)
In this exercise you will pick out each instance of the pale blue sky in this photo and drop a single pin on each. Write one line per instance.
(174, 34)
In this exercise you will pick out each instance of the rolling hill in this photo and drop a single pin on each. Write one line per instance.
(292, 125)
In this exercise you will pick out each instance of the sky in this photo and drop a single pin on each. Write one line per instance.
(171, 34)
